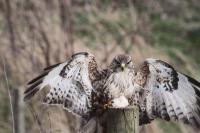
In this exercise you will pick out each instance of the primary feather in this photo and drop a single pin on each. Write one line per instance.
(69, 83)
(156, 88)
(171, 95)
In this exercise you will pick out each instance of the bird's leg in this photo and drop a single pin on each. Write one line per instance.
(137, 100)
(108, 104)
(134, 100)
(142, 100)
(143, 107)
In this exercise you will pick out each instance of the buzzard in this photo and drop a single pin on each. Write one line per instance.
(87, 91)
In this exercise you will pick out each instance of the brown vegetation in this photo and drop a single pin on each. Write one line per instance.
(35, 34)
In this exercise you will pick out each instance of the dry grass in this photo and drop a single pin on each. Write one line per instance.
(9, 95)
(46, 33)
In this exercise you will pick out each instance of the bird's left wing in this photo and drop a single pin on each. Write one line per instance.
(170, 94)
(69, 83)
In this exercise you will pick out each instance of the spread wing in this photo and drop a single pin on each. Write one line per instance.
(170, 94)
(69, 83)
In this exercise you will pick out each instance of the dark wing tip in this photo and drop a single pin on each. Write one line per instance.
(195, 84)
(30, 94)
(80, 53)
(52, 66)
(46, 71)
(193, 81)
(31, 90)
(38, 77)
(33, 86)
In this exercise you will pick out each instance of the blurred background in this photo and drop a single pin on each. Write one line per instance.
(38, 33)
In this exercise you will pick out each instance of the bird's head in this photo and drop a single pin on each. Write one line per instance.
(121, 63)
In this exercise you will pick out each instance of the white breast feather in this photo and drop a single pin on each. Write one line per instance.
(119, 84)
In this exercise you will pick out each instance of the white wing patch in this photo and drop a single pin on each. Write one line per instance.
(162, 91)
(70, 89)
(53, 75)
(69, 84)
(171, 95)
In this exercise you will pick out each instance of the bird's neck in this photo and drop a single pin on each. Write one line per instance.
(121, 78)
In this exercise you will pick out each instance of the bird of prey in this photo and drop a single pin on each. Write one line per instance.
(84, 89)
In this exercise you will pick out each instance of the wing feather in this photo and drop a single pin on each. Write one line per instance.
(52, 66)
(172, 95)
(69, 83)
(38, 77)
(31, 90)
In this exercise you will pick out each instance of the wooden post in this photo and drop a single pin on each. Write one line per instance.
(122, 121)
(21, 111)
(18, 110)
(15, 105)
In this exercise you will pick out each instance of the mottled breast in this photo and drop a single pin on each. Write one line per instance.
(120, 83)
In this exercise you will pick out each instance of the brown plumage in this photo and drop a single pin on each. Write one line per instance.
(142, 74)
(86, 90)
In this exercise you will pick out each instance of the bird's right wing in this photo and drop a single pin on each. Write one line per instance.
(69, 82)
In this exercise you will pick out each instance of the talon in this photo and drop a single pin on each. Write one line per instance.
(108, 104)
(105, 106)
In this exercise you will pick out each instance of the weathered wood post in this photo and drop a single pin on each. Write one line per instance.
(15, 104)
(18, 110)
(122, 121)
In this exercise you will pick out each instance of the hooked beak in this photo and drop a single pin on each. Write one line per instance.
(123, 66)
